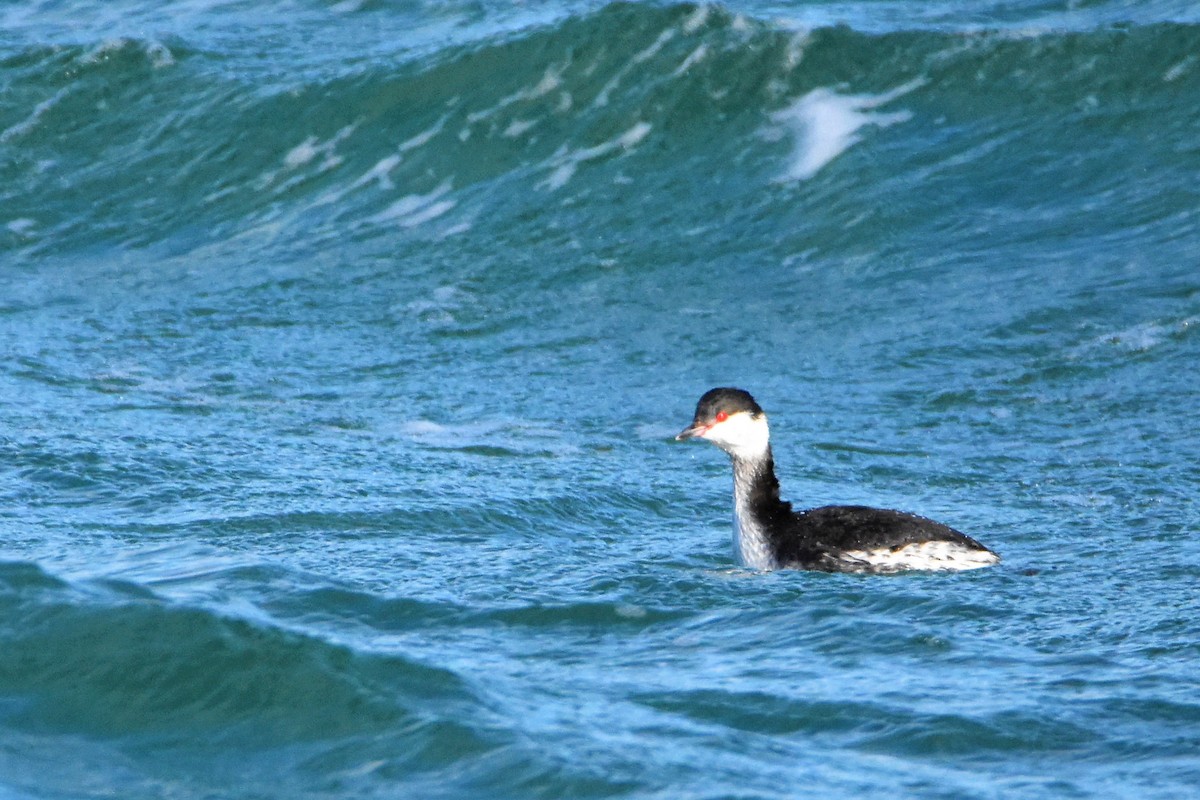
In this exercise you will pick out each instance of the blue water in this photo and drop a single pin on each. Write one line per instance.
(344, 344)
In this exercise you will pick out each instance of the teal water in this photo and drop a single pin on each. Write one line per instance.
(344, 345)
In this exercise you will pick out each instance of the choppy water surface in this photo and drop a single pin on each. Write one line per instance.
(344, 345)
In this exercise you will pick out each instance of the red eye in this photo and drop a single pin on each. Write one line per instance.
(721, 416)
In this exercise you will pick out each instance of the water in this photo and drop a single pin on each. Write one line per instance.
(344, 344)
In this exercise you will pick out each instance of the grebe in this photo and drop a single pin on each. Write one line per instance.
(768, 534)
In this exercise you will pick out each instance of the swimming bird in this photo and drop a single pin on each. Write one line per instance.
(768, 534)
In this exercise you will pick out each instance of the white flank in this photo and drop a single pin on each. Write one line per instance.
(934, 556)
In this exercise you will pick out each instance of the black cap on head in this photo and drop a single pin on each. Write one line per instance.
(714, 401)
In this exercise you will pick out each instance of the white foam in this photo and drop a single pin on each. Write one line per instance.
(454, 230)
(1140, 338)
(423, 427)
(697, 19)
(104, 50)
(415, 209)
(653, 49)
(160, 55)
(440, 309)
(551, 79)
(381, 173)
(157, 53)
(1135, 339)
(645, 54)
(423, 137)
(565, 161)
(634, 135)
(795, 50)
(630, 611)
(825, 124)
(432, 211)
(512, 433)
(311, 147)
(29, 123)
(302, 153)
(21, 227)
(518, 127)
(694, 57)
(1179, 70)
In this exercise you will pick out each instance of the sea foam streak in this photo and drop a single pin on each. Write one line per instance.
(566, 162)
(825, 124)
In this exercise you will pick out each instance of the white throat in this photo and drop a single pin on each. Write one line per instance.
(751, 547)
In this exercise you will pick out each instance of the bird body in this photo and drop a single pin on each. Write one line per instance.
(769, 534)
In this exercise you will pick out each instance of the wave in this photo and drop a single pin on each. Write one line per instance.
(874, 724)
(133, 143)
(138, 689)
(114, 661)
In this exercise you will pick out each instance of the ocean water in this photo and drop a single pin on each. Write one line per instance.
(344, 345)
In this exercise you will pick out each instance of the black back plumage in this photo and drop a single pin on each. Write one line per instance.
(816, 535)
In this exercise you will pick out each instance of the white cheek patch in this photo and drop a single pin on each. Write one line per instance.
(741, 435)
(934, 556)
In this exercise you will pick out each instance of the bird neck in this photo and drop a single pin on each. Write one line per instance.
(757, 510)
